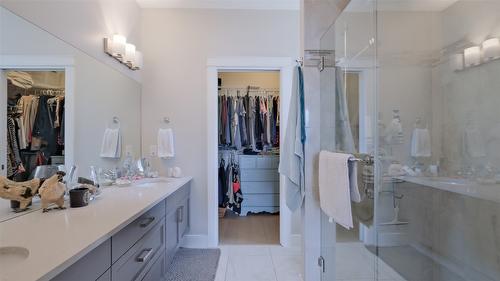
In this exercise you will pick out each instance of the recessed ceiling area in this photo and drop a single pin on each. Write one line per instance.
(222, 4)
(400, 5)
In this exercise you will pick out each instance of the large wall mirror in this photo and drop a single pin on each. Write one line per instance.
(56, 103)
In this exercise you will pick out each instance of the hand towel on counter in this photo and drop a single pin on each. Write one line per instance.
(292, 153)
(338, 185)
(166, 143)
(421, 143)
(111, 144)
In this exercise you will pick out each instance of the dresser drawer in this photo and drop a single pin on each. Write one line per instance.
(255, 187)
(259, 162)
(261, 200)
(130, 266)
(268, 162)
(128, 236)
(259, 175)
(90, 267)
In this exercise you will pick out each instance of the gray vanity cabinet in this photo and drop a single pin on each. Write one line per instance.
(90, 267)
(106, 276)
(142, 250)
(177, 220)
(137, 259)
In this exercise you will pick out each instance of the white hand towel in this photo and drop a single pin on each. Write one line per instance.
(474, 145)
(421, 143)
(111, 144)
(166, 143)
(338, 186)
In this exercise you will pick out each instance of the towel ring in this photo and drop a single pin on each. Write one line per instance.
(116, 121)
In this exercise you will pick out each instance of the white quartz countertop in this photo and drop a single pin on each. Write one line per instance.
(59, 238)
(490, 192)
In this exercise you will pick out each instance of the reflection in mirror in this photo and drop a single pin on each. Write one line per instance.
(57, 102)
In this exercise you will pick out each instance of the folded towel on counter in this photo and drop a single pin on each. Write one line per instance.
(474, 144)
(166, 147)
(111, 144)
(421, 143)
(338, 185)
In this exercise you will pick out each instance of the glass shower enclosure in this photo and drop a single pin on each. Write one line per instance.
(417, 82)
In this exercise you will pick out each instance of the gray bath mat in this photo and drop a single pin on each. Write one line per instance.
(194, 265)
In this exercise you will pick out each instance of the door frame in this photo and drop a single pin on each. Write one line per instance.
(285, 66)
(41, 63)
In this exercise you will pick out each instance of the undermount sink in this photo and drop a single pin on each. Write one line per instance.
(13, 255)
(144, 182)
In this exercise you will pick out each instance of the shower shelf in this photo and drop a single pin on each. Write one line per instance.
(490, 192)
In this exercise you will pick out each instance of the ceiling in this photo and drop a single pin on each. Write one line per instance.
(400, 5)
(223, 4)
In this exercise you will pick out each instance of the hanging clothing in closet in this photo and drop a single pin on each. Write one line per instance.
(35, 130)
(248, 121)
(230, 193)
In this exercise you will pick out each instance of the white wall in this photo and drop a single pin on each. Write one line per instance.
(84, 24)
(177, 44)
(264, 80)
(101, 92)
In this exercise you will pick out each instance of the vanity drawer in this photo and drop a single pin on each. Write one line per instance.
(158, 270)
(130, 266)
(128, 236)
(105, 277)
(90, 267)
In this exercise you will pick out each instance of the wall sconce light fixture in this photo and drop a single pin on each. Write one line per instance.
(124, 52)
(472, 56)
(491, 49)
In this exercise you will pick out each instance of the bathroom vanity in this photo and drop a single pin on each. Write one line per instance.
(127, 234)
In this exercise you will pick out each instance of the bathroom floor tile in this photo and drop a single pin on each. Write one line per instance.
(250, 268)
(288, 267)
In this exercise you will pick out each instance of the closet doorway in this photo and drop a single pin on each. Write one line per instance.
(248, 157)
(290, 224)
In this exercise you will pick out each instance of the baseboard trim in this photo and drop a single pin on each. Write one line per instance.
(195, 241)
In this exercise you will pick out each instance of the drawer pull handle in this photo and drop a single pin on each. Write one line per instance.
(144, 255)
(180, 214)
(146, 222)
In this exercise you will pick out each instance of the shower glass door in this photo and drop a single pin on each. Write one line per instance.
(348, 91)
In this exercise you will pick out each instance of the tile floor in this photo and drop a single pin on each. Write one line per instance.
(250, 252)
(259, 263)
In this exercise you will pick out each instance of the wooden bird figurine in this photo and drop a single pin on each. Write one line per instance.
(22, 192)
(52, 191)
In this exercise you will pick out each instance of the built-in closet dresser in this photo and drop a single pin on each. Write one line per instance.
(259, 183)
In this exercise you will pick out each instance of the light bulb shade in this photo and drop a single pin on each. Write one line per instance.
(138, 60)
(457, 62)
(129, 53)
(472, 56)
(118, 45)
(491, 49)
